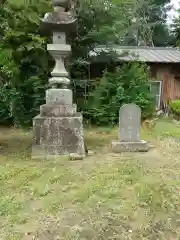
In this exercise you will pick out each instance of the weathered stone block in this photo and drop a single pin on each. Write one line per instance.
(55, 136)
(118, 147)
(59, 96)
(57, 110)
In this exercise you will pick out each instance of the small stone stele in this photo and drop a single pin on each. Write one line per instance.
(129, 131)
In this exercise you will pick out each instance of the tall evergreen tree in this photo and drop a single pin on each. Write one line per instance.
(176, 29)
(149, 27)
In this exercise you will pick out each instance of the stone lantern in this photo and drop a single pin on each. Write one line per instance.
(58, 129)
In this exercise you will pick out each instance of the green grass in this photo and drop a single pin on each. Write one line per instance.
(105, 196)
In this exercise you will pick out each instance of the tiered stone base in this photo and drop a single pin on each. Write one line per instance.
(119, 147)
(58, 130)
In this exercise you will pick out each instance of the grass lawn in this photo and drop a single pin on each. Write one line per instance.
(106, 196)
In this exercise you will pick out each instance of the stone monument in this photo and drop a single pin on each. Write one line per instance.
(129, 131)
(58, 129)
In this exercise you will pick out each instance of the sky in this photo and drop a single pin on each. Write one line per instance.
(172, 13)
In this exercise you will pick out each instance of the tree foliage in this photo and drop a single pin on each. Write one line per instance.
(175, 108)
(176, 29)
(149, 26)
(100, 23)
(24, 66)
(129, 83)
(24, 61)
(23, 70)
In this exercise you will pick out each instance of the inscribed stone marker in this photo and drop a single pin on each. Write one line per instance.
(129, 132)
(130, 122)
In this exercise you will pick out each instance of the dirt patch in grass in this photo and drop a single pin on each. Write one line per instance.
(105, 196)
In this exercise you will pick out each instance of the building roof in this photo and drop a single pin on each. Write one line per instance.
(142, 54)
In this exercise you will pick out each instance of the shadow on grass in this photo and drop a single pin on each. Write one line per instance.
(15, 142)
(18, 142)
(97, 138)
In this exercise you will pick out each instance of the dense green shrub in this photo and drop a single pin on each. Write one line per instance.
(129, 83)
(23, 62)
(24, 65)
(25, 68)
(175, 108)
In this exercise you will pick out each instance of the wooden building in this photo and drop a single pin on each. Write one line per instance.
(164, 68)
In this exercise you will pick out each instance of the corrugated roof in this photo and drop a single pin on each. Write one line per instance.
(143, 54)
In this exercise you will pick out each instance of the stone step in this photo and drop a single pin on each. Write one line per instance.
(56, 110)
(139, 146)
